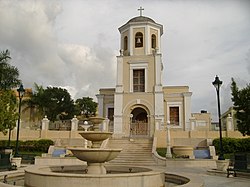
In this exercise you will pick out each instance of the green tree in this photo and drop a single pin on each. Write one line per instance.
(9, 75)
(86, 106)
(4, 55)
(8, 113)
(35, 103)
(57, 103)
(241, 100)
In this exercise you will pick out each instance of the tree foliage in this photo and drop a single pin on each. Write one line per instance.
(54, 102)
(8, 80)
(57, 103)
(86, 106)
(9, 75)
(35, 103)
(8, 114)
(241, 100)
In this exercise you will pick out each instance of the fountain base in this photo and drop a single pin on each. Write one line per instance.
(64, 176)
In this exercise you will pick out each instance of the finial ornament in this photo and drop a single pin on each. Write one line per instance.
(140, 9)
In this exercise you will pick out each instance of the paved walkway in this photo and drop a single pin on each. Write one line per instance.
(213, 180)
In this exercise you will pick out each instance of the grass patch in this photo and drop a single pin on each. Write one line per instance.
(161, 151)
(35, 153)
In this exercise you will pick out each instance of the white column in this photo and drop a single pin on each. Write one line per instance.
(131, 41)
(230, 126)
(119, 75)
(159, 99)
(118, 122)
(159, 106)
(74, 124)
(147, 45)
(157, 124)
(100, 104)
(158, 69)
(105, 125)
(193, 124)
(45, 123)
(187, 110)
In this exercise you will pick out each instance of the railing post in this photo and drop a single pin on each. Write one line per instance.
(45, 127)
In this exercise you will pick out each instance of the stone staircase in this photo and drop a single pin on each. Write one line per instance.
(135, 152)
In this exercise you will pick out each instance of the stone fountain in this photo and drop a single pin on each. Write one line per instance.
(95, 174)
(95, 156)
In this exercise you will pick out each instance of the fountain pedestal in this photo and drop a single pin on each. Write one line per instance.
(96, 168)
(95, 156)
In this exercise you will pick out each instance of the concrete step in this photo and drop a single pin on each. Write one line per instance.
(136, 152)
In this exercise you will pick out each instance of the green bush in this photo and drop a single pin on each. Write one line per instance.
(29, 145)
(43, 145)
(232, 145)
(161, 151)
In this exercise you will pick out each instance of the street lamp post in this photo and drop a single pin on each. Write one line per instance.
(168, 152)
(21, 92)
(217, 84)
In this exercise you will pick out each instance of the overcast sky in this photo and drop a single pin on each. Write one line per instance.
(74, 43)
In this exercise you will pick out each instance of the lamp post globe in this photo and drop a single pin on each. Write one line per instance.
(217, 84)
(21, 92)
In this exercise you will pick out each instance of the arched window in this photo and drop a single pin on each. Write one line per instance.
(125, 43)
(153, 41)
(138, 39)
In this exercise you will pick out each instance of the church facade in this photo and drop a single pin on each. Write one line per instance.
(139, 104)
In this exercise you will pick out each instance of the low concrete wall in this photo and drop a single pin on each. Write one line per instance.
(192, 138)
(207, 163)
(187, 138)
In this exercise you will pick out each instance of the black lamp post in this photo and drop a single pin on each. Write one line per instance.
(21, 92)
(217, 84)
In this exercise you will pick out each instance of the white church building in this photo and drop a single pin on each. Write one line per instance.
(139, 104)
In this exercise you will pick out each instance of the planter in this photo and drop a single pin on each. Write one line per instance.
(16, 161)
(183, 151)
(222, 165)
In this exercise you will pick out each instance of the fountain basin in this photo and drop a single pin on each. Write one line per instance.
(96, 120)
(95, 155)
(95, 135)
(65, 176)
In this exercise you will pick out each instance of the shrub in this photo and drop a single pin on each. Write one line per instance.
(232, 145)
(29, 145)
(161, 151)
(43, 145)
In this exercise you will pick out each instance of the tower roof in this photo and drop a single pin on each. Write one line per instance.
(141, 19)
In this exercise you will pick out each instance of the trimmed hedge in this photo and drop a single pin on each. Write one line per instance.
(41, 145)
(232, 145)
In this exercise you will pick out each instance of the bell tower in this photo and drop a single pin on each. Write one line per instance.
(140, 36)
(139, 76)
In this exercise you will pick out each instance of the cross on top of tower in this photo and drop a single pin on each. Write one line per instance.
(140, 9)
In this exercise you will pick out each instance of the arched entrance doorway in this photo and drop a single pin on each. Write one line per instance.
(139, 122)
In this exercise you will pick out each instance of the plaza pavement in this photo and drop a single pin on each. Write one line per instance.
(212, 179)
